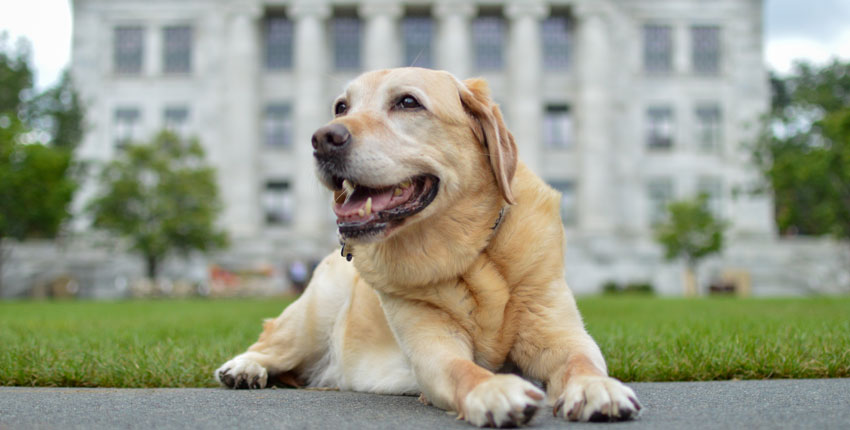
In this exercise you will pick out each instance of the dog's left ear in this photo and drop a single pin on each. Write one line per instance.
(490, 129)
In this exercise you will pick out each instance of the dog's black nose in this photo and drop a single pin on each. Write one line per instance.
(330, 138)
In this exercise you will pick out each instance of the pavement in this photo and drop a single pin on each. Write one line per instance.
(774, 404)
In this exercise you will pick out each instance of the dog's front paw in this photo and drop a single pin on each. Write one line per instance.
(502, 401)
(242, 372)
(597, 398)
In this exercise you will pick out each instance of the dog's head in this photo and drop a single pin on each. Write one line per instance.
(406, 144)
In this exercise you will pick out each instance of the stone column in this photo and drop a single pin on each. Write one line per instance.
(381, 39)
(311, 110)
(241, 189)
(681, 35)
(454, 41)
(152, 51)
(525, 61)
(593, 120)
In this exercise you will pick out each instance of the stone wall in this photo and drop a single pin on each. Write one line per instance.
(103, 270)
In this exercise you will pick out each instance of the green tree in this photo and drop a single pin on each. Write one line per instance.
(35, 164)
(691, 232)
(16, 76)
(162, 197)
(804, 150)
(35, 189)
(58, 111)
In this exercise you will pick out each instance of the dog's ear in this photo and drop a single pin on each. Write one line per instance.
(490, 129)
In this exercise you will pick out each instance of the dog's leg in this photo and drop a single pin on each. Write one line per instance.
(553, 346)
(299, 336)
(440, 352)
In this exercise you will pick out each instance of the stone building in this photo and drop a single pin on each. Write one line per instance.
(622, 105)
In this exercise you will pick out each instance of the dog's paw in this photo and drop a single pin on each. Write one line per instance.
(242, 372)
(502, 401)
(597, 398)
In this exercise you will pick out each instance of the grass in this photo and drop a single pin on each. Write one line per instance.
(646, 339)
(125, 344)
(180, 343)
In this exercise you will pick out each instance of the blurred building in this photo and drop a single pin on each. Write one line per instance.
(622, 105)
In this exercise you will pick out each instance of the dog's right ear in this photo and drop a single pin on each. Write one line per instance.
(490, 129)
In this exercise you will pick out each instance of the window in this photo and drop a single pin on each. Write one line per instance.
(557, 127)
(278, 126)
(712, 188)
(178, 49)
(418, 32)
(659, 195)
(127, 52)
(657, 48)
(126, 126)
(708, 127)
(278, 203)
(278, 38)
(705, 49)
(346, 37)
(659, 127)
(556, 42)
(488, 32)
(176, 119)
(568, 200)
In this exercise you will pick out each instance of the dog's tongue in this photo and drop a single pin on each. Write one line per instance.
(382, 199)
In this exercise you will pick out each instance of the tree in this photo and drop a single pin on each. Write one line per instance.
(691, 232)
(804, 150)
(35, 189)
(162, 197)
(16, 77)
(35, 181)
(58, 111)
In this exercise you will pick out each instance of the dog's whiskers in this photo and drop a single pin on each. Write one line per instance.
(336, 80)
(421, 51)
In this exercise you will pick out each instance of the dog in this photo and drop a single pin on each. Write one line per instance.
(456, 256)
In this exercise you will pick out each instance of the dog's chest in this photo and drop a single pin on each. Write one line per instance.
(487, 311)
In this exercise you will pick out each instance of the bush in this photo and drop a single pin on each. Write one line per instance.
(638, 288)
(610, 287)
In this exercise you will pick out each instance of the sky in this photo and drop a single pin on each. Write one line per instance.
(816, 30)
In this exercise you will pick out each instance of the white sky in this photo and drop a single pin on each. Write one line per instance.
(47, 24)
(817, 30)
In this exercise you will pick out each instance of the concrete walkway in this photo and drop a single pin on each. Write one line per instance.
(797, 404)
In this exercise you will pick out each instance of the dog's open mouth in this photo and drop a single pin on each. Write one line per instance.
(363, 211)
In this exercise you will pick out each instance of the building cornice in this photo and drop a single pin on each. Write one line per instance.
(383, 8)
(533, 9)
(448, 8)
(313, 8)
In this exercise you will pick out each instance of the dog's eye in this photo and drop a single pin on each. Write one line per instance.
(408, 102)
(340, 108)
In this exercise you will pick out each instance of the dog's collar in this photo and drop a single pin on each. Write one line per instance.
(342, 252)
(499, 219)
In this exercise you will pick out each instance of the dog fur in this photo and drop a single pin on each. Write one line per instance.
(441, 302)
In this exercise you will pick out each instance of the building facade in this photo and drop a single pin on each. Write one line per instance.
(622, 105)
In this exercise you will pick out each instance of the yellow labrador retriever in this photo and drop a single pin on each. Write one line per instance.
(456, 267)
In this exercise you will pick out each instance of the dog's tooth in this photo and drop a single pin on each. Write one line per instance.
(361, 213)
(405, 184)
(368, 206)
(349, 187)
(397, 192)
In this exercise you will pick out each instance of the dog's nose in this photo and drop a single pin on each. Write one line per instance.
(330, 138)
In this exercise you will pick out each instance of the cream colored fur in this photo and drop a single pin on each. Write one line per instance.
(441, 303)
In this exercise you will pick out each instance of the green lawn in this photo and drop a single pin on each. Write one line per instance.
(180, 343)
(126, 344)
(717, 339)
